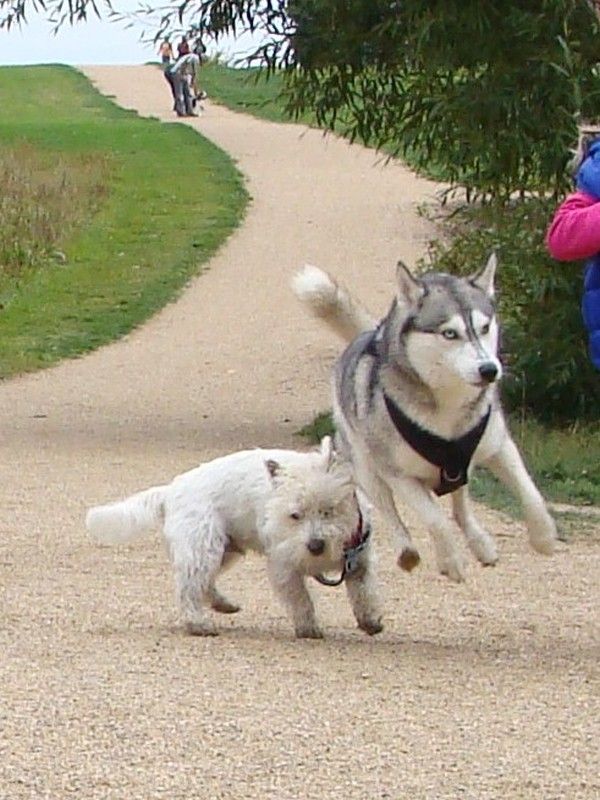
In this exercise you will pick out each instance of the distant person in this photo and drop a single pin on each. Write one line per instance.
(183, 48)
(165, 52)
(182, 77)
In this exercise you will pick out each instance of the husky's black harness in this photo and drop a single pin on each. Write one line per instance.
(452, 456)
(352, 550)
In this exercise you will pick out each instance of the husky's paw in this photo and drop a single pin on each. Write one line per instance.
(453, 567)
(372, 626)
(484, 548)
(408, 559)
(308, 631)
(204, 628)
(543, 536)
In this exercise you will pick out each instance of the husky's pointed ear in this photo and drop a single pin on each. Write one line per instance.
(327, 451)
(410, 291)
(484, 279)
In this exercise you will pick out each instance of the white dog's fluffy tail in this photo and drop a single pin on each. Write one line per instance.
(127, 519)
(330, 302)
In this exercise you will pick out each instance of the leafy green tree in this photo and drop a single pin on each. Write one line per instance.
(491, 90)
(16, 12)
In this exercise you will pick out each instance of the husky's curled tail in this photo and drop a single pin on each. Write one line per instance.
(331, 303)
(127, 519)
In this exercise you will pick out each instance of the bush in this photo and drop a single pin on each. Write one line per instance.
(544, 344)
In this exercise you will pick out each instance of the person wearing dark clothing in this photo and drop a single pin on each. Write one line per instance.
(183, 48)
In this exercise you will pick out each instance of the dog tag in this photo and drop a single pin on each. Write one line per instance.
(351, 560)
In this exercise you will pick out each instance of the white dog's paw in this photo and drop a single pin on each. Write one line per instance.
(204, 628)
(308, 631)
(543, 536)
(453, 567)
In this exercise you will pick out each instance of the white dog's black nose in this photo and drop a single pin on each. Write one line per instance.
(316, 546)
(488, 371)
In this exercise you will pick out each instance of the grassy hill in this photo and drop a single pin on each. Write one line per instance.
(104, 215)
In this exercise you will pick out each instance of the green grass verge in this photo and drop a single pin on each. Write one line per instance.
(565, 464)
(169, 199)
(246, 90)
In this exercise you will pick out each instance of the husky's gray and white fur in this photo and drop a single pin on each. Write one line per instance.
(435, 357)
(297, 509)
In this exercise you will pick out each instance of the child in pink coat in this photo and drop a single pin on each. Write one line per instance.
(575, 233)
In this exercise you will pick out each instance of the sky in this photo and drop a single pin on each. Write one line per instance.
(92, 42)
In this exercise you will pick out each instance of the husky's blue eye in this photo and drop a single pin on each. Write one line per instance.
(485, 329)
(449, 334)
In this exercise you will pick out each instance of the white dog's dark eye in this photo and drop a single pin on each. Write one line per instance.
(327, 513)
(296, 515)
(448, 333)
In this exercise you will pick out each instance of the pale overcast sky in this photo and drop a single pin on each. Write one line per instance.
(92, 42)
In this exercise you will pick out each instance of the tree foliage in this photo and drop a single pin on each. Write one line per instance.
(59, 12)
(492, 90)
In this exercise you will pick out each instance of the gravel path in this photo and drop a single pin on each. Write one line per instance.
(484, 690)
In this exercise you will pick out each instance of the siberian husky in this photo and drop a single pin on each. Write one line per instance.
(416, 406)
(300, 510)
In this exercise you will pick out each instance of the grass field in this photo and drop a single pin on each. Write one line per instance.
(123, 211)
(245, 90)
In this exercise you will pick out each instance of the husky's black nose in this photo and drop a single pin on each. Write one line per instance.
(316, 546)
(488, 371)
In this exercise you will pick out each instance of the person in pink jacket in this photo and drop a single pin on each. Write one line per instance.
(574, 233)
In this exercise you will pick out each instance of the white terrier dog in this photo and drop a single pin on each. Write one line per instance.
(300, 510)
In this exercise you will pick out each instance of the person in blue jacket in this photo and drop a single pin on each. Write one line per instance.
(575, 233)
